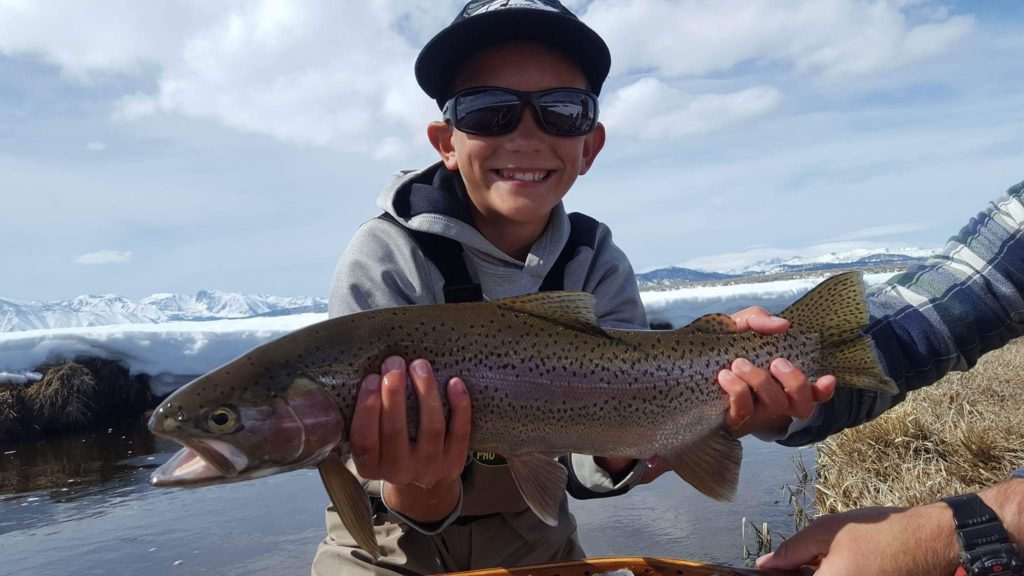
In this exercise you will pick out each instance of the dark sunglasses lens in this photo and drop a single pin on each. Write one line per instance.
(568, 113)
(487, 112)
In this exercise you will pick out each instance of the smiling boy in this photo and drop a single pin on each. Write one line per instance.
(517, 82)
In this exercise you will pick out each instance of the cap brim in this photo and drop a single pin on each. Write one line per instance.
(442, 58)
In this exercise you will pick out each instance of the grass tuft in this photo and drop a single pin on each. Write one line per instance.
(958, 435)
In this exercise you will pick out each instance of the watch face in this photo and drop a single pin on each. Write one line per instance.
(1003, 562)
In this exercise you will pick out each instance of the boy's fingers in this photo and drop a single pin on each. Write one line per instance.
(764, 386)
(823, 388)
(760, 320)
(741, 400)
(796, 387)
(459, 425)
(365, 430)
(430, 435)
(394, 432)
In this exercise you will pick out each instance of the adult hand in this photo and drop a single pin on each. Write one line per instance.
(421, 477)
(766, 401)
(917, 541)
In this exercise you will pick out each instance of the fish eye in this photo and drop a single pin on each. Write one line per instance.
(222, 419)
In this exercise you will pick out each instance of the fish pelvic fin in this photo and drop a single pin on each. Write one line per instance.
(350, 501)
(541, 481)
(711, 464)
(573, 310)
(837, 311)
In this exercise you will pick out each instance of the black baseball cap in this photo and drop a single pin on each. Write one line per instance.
(482, 24)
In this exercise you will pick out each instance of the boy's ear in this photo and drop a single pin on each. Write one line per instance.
(592, 145)
(440, 135)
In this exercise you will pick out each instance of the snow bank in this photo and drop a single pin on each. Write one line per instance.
(682, 306)
(171, 353)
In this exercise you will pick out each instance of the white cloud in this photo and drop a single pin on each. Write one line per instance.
(340, 74)
(836, 38)
(885, 230)
(104, 257)
(318, 73)
(96, 146)
(651, 109)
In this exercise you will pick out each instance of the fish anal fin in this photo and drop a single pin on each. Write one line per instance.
(541, 481)
(350, 501)
(573, 310)
(711, 324)
(711, 464)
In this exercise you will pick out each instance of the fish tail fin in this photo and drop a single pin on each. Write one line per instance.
(837, 311)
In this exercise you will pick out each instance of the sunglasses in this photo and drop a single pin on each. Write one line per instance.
(488, 111)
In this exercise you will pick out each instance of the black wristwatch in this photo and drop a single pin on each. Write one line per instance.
(985, 547)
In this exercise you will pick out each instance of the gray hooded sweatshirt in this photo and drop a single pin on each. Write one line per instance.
(384, 267)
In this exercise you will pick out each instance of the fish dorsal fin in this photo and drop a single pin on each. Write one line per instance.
(835, 306)
(711, 464)
(711, 324)
(571, 309)
(541, 481)
(350, 502)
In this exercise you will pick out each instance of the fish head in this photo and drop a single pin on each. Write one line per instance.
(239, 422)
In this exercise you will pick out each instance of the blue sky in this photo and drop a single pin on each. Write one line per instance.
(176, 146)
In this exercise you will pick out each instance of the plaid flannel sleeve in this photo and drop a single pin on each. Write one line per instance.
(939, 316)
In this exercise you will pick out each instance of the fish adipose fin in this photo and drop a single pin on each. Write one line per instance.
(541, 481)
(350, 501)
(571, 309)
(837, 311)
(711, 464)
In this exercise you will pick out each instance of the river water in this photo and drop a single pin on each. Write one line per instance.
(80, 504)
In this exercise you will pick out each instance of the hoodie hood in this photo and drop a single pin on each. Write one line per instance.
(435, 200)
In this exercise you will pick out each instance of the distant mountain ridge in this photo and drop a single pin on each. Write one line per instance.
(110, 309)
(86, 311)
(827, 263)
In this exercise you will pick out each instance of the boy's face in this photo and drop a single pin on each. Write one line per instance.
(500, 172)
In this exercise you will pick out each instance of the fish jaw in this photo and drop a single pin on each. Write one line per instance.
(283, 433)
(187, 467)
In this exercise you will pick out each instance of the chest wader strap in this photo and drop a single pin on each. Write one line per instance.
(446, 254)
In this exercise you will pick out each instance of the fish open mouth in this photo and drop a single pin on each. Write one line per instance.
(205, 460)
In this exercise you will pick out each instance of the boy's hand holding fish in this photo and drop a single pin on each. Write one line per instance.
(420, 478)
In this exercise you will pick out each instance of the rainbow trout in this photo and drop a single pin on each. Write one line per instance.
(543, 377)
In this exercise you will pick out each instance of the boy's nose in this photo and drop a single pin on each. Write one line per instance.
(528, 135)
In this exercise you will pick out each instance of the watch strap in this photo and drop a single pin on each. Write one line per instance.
(985, 546)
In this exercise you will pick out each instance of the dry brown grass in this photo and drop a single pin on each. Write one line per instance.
(73, 396)
(62, 399)
(961, 434)
(12, 405)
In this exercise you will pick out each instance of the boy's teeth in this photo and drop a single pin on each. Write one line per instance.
(534, 176)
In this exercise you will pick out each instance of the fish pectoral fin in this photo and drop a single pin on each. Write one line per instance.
(350, 501)
(711, 464)
(541, 481)
(573, 310)
(711, 324)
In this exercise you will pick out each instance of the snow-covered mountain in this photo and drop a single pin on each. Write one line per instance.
(87, 311)
(674, 275)
(860, 257)
(111, 309)
(831, 262)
